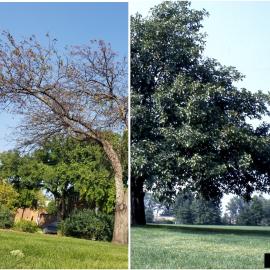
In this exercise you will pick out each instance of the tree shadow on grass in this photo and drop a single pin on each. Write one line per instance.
(211, 230)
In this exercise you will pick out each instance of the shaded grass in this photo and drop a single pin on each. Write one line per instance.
(243, 230)
(48, 251)
(187, 246)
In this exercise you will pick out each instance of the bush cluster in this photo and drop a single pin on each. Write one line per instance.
(6, 217)
(26, 226)
(89, 225)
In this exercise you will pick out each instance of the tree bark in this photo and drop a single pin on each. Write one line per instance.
(137, 201)
(120, 231)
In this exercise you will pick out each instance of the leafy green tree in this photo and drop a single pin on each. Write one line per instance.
(166, 43)
(75, 172)
(52, 208)
(252, 212)
(183, 208)
(256, 210)
(206, 212)
(189, 120)
(190, 209)
(225, 219)
(22, 173)
(78, 174)
(8, 195)
(234, 207)
(266, 213)
(149, 215)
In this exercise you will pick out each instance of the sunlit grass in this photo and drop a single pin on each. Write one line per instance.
(50, 251)
(199, 246)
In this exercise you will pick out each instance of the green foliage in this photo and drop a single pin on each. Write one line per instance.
(22, 172)
(19, 170)
(52, 208)
(196, 210)
(163, 45)
(206, 212)
(189, 121)
(89, 225)
(183, 208)
(6, 217)
(210, 140)
(8, 195)
(74, 172)
(30, 198)
(68, 167)
(26, 226)
(253, 212)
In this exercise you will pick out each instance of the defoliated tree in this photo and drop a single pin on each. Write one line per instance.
(81, 93)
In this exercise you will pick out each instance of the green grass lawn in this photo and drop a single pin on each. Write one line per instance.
(49, 251)
(181, 246)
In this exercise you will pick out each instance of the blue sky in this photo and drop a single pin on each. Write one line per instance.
(239, 35)
(71, 24)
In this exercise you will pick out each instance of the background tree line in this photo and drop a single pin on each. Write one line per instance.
(190, 208)
(76, 174)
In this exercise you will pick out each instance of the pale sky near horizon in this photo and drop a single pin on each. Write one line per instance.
(238, 34)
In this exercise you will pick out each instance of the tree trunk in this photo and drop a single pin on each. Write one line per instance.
(63, 206)
(137, 201)
(120, 232)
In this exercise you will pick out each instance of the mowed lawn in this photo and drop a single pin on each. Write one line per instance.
(49, 251)
(176, 246)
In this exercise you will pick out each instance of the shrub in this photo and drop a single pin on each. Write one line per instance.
(26, 226)
(6, 217)
(8, 195)
(89, 225)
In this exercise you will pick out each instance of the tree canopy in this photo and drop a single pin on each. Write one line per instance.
(73, 172)
(190, 123)
(254, 212)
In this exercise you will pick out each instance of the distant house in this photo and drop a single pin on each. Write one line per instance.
(40, 217)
